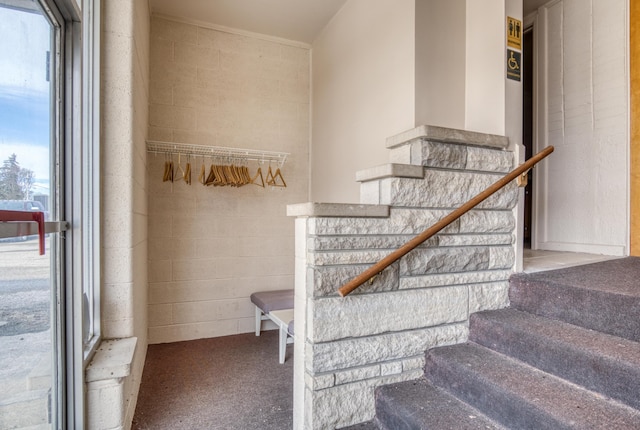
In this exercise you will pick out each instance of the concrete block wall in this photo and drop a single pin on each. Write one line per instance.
(345, 347)
(211, 247)
(111, 400)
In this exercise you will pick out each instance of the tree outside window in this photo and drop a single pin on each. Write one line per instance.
(16, 182)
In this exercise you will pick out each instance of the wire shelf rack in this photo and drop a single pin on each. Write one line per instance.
(217, 152)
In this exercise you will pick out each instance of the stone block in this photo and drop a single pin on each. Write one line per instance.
(347, 353)
(475, 239)
(414, 363)
(401, 221)
(488, 160)
(446, 189)
(423, 261)
(462, 278)
(370, 193)
(442, 260)
(348, 404)
(391, 368)
(325, 280)
(358, 374)
(369, 314)
(346, 257)
(319, 382)
(488, 296)
(400, 154)
(479, 221)
(502, 257)
(332, 243)
(442, 155)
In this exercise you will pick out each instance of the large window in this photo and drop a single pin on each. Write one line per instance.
(49, 304)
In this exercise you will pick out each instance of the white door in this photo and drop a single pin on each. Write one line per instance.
(580, 201)
(30, 315)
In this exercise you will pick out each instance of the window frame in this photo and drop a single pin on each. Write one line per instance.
(91, 175)
(82, 203)
(75, 198)
(76, 167)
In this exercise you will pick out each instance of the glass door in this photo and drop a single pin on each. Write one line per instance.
(31, 374)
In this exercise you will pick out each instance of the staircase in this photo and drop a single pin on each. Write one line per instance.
(565, 355)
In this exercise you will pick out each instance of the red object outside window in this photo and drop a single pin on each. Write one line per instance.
(9, 216)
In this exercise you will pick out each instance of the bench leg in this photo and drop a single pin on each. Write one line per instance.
(258, 320)
(283, 343)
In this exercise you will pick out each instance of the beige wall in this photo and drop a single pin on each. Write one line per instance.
(211, 247)
(124, 206)
(381, 68)
(485, 67)
(440, 66)
(363, 92)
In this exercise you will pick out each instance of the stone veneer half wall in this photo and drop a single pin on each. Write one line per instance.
(346, 347)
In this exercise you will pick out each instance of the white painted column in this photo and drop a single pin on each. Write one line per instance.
(513, 128)
(461, 75)
(440, 63)
(300, 394)
(461, 67)
(485, 67)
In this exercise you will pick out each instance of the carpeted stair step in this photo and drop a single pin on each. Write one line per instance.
(602, 296)
(596, 361)
(520, 396)
(369, 425)
(418, 405)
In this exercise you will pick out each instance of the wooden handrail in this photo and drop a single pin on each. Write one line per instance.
(434, 229)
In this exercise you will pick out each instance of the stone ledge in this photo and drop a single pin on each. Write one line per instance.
(393, 170)
(413, 221)
(112, 360)
(337, 210)
(449, 135)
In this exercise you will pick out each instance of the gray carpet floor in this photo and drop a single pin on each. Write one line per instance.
(232, 382)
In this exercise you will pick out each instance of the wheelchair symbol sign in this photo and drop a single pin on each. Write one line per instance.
(513, 65)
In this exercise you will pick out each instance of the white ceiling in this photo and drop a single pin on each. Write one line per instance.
(299, 20)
